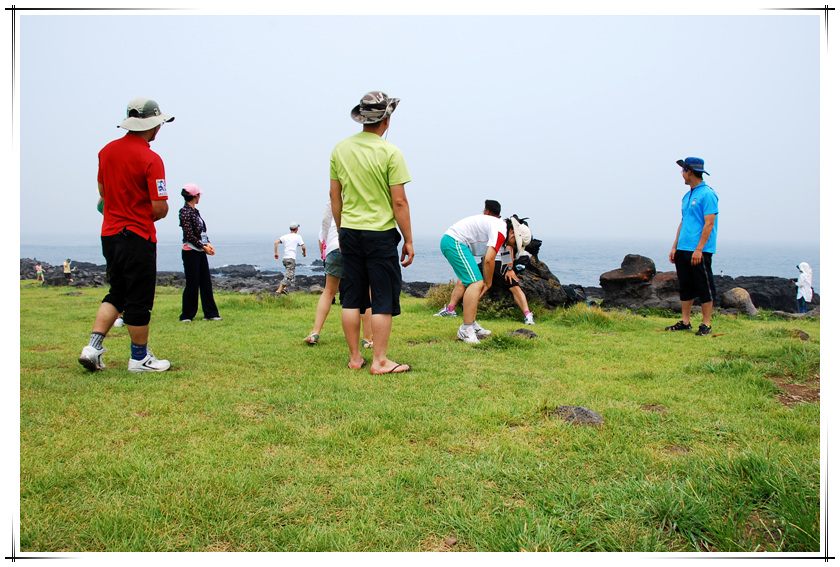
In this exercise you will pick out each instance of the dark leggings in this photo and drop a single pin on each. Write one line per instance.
(198, 280)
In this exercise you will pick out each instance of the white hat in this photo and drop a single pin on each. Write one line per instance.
(522, 234)
(143, 114)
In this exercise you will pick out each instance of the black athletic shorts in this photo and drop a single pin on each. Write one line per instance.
(499, 279)
(131, 269)
(695, 281)
(372, 276)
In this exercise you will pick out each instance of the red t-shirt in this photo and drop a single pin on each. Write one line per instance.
(132, 176)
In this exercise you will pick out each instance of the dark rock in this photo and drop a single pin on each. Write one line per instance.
(416, 289)
(578, 415)
(766, 292)
(637, 285)
(801, 335)
(738, 299)
(235, 271)
(540, 287)
(525, 333)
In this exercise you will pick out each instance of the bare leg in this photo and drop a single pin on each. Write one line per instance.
(706, 309)
(471, 297)
(367, 326)
(520, 299)
(381, 333)
(457, 294)
(324, 303)
(686, 311)
(105, 318)
(350, 320)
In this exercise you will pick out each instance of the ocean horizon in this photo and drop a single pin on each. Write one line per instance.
(573, 261)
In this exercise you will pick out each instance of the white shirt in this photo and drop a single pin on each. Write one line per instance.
(478, 232)
(290, 243)
(328, 233)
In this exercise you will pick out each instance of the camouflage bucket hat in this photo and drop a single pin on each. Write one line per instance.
(143, 114)
(374, 107)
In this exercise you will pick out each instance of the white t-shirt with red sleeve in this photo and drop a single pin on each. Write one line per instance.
(478, 232)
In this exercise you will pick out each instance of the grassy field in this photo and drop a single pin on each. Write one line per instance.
(255, 441)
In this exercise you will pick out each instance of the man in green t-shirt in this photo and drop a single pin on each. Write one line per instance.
(367, 195)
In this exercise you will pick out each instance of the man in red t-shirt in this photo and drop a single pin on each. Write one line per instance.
(133, 186)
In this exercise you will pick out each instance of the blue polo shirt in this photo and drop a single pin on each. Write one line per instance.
(696, 204)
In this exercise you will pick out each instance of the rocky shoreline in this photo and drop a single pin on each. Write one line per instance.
(635, 285)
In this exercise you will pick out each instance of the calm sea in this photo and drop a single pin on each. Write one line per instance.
(572, 261)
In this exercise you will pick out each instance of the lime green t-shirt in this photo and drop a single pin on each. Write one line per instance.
(367, 166)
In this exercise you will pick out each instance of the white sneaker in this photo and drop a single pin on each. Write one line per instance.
(529, 319)
(148, 364)
(119, 322)
(480, 331)
(467, 335)
(91, 358)
(445, 313)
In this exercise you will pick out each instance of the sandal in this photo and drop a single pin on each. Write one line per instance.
(394, 370)
(312, 338)
(367, 344)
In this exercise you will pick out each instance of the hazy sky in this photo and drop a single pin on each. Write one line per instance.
(574, 121)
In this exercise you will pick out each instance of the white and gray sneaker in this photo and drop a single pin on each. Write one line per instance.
(91, 358)
(480, 331)
(529, 319)
(148, 364)
(467, 335)
(445, 313)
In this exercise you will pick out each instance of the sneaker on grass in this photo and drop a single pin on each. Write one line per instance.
(703, 329)
(91, 358)
(480, 331)
(467, 335)
(529, 319)
(445, 312)
(148, 364)
(679, 326)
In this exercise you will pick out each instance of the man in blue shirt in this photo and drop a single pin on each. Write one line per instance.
(694, 245)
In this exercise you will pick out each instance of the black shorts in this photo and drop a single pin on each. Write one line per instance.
(695, 281)
(372, 276)
(499, 279)
(131, 269)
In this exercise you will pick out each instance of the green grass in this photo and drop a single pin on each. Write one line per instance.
(255, 441)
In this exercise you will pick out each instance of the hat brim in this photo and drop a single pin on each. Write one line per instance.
(374, 117)
(517, 234)
(135, 124)
(684, 165)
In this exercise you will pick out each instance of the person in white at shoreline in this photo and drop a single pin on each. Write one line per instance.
(804, 291)
(290, 242)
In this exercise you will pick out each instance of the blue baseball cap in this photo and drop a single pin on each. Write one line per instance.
(693, 163)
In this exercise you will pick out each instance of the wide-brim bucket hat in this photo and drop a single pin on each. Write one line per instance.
(522, 234)
(374, 107)
(143, 114)
(694, 164)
